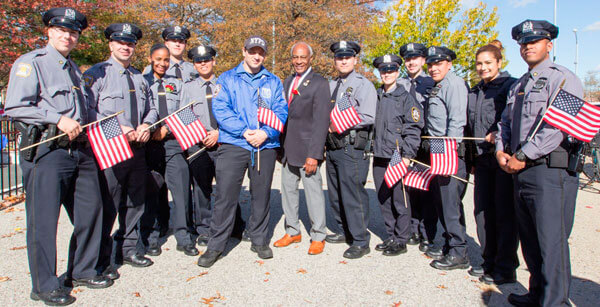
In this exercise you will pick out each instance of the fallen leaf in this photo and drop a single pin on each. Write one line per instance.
(75, 291)
(442, 287)
(260, 262)
(267, 273)
(266, 280)
(589, 207)
(301, 271)
(389, 292)
(18, 248)
(136, 294)
(443, 273)
(166, 249)
(209, 301)
(344, 262)
(308, 301)
(396, 304)
(4, 278)
(18, 218)
(199, 275)
(488, 288)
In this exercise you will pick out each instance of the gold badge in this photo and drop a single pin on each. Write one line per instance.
(415, 113)
(88, 80)
(216, 91)
(23, 70)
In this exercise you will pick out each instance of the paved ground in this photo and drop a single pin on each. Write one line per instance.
(294, 278)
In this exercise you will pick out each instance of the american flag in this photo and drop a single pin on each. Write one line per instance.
(108, 142)
(344, 116)
(186, 127)
(444, 159)
(267, 116)
(574, 116)
(395, 170)
(419, 177)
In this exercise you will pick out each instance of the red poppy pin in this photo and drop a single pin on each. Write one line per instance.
(295, 91)
(170, 88)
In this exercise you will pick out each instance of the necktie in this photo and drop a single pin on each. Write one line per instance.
(213, 120)
(132, 100)
(413, 88)
(80, 104)
(162, 100)
(178, 72)
(335, 91)
(515, 133)
(294, 86)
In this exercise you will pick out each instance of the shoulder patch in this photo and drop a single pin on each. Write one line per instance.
(24, 70)
(265, 92)
(88, 80)
(415, 114)
(216, 91)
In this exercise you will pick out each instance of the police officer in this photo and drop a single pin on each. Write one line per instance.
(446, 114)
(176, 40)
(545, 186)
(44, 94)
(235, 108)
(166, 92)
(493, 191)
(112, 86)
(424, 216)
(347, 164)
(398, 127)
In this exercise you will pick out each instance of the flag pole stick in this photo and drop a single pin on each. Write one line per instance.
(455, 177)
(544, 114)
(63, 134)
(401, 179)
(163, 119)
(258, 127)
(452, 137)
(196, 153)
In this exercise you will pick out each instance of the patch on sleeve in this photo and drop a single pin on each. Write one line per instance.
(265, 92)
(24, 70)
(216, 91)
(87, 80)
(415, 113)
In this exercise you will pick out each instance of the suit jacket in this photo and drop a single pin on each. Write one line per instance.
(308, 119)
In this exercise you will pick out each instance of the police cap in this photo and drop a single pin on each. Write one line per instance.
(344, 48)
(439, 53)
(255, 41)
(533, 30)
(201, 53)
(176, 32)
(388, 62)
(65, 17)
(412, 50)
(125, 32)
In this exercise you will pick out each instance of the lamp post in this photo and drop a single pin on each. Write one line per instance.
(556, 40)
(576, 50)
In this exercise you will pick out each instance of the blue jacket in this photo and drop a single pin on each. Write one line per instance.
(236, 105)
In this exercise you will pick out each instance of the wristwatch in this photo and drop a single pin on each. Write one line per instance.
(520, 155)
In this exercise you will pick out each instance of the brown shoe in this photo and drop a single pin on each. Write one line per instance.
(287, 240)
(316, 247)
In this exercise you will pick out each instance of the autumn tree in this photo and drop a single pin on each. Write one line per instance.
(591, 84)
(226, 24)
(435, 22)
(22, 29)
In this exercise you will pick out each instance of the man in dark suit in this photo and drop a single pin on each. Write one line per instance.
(307, 95)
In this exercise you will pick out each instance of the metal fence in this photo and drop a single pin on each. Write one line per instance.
(11, 182)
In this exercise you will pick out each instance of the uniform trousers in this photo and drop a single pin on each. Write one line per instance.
(68, 177)
(495, 216)
(315, 200)
(123, 189)
(232, 163)
(395, 206)
(545, 207)
(202, 169)
(155, 220)
(347, 173)
(446, 193)
(424, 216)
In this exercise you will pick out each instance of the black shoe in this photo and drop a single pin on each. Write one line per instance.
(450, 263)
(485, 278)
(202, 240)
(500, 279)
(414, 239)
(111, 272)
(434, 253)
(246, 236)
(395, 249)
(53, 298)
(525, 300)
(96, 282)
(263, 251)
(476, 271)
(153, 250)
(425, 245)
(209, 258)
(188, 250)
(384, 245)
(137, 261)
(335, 238)
(355, 252)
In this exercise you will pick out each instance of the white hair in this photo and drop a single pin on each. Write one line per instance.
(301, 43)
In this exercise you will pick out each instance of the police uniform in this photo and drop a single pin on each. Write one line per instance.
(45, 86)
(493, 191)
(184, 71)
(424, 216)
(398, 126)
(545, 190)
(446, 113)
(347, 165)
(112, 88)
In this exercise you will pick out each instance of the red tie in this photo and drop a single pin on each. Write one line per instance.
(294, 86)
